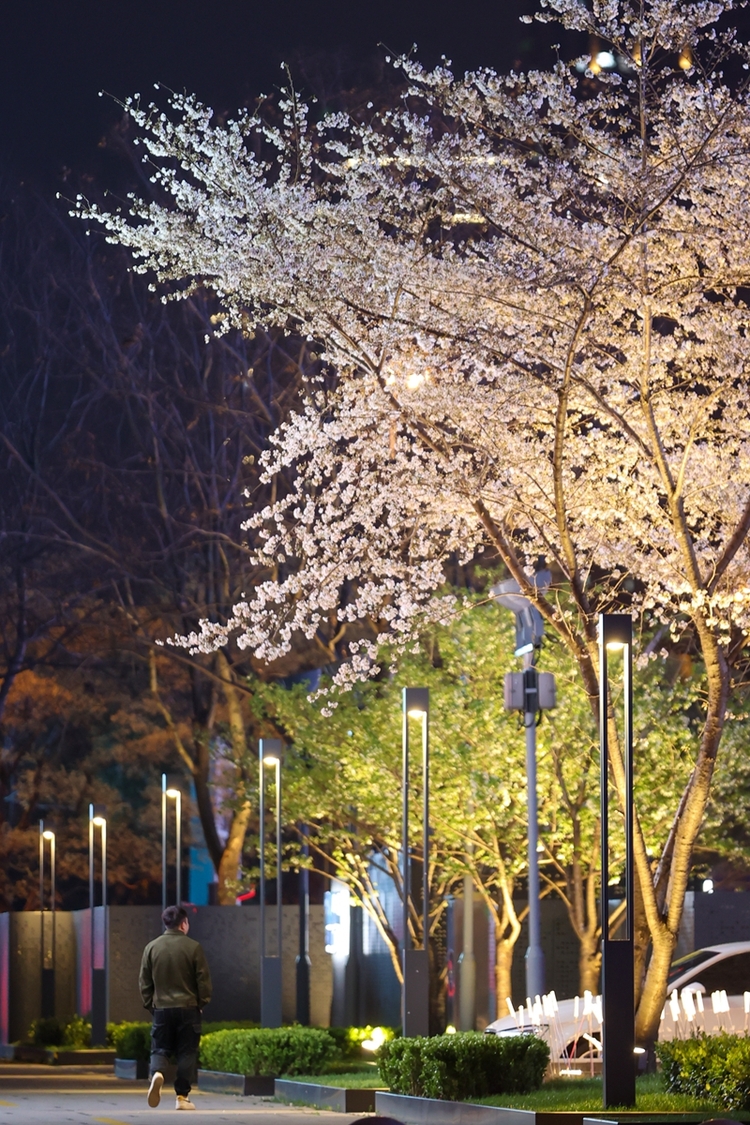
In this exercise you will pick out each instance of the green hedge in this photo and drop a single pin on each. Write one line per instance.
(132, 1040)
(465, 1065)
(50, 1032)
(712, 1067)
(268, 1051)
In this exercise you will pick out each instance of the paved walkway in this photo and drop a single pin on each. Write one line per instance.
(45, 1095)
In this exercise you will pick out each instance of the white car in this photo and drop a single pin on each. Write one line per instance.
(708, 990)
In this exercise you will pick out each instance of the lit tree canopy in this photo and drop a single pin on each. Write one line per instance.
(530, 293)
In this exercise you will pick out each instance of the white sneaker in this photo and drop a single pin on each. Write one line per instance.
(183, 1103)
(154, 1090)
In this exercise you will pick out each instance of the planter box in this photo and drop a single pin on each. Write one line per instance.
(66, 1056)
(33, 1054)
(249, 1085)
(131, 1068)
(56, 1056)
(337, 1098)
(432, 1111)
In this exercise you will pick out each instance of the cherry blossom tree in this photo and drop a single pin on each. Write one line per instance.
(529, 292)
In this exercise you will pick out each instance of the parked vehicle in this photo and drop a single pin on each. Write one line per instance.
(708, 990)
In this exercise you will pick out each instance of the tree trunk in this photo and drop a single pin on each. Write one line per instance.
(504, 949)
(589, 962)
(232, 857)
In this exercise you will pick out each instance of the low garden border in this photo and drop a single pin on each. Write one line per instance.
(433, 1111)
(56, 1056)
(342, 1099)
(248, 1085)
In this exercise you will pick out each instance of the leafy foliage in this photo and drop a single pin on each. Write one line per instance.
(268, 1051)
(131, 1039)
(712, 1067)
(464, 1065)
(51, 1032)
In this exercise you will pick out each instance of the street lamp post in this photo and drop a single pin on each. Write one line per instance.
(269, 754)
(416, 962)
(529, 691)
(98, 935)
(303, 964)
(47, 947)
(618, 1024)
(174, 795)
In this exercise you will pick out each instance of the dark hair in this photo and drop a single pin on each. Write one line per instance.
(173, 917)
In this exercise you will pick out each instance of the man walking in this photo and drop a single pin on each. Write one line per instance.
(175, 986)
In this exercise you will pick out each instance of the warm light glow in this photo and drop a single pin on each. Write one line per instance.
(173, 792)
(416, 714)
(48, 835)
(270, 761)
(571, 1072)
(639, 1050)
(100, 821)
(450, 1029)
(415, 380)
(615, 646)
(376, 1040)
(685, 61)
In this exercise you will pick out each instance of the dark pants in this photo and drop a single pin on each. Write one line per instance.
(176, 1031)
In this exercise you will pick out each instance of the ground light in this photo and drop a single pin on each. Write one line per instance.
(98, 931)
(618, 1025)
(269, 757)
(415, 1007)
(47, 923)
(171, 794)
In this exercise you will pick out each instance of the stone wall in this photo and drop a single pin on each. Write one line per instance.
(23, 983)
(229, 935)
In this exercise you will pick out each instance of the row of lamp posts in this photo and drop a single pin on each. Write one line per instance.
(529, 692)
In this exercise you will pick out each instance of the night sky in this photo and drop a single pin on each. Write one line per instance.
(57, 55)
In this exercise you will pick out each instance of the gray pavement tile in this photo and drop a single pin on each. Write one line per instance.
(121, 1108)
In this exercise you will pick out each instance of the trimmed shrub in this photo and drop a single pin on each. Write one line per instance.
(713, 1067)
(52, 1032)
(131, 1040)
(46, 1032)
(77, 1033)
(465, 1065)
(268, 1051)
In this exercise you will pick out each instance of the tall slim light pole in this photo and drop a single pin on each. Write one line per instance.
(416, 962)
(529, 691)
(303, 964)
(171, 794)
(618, 1024)
(269, 755)
(99, 942)
(47, 949)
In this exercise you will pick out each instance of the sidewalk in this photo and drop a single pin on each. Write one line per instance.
(126, 1109)
(45, 1095)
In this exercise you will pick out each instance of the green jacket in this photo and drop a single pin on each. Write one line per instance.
(174, 973)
